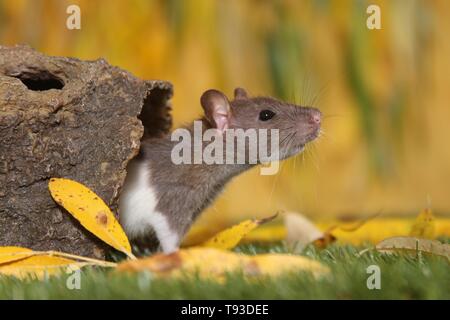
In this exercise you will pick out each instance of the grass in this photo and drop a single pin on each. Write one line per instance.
(402, 277)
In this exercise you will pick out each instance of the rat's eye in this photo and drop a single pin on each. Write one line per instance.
(266, 115)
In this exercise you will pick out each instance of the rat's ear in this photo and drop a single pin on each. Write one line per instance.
(217, 109)
(240, 93)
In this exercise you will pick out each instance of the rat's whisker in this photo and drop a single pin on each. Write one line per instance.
(326, 116)
(314, 157)
(275, 180)
(284, 139)
(288, 128)
(328, 137)
(304, 152)
(319, 95)
(281, 164)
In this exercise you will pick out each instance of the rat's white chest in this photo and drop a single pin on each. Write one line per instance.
(137, 208)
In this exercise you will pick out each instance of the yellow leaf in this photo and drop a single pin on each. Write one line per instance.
(91, 211)
(229, 238)
(267, 233)
(23, 262)
(413, 245)
(357, 233)
(199, 233)
(186, 261)
(371, 231)
(424, 226)
(356, 226)
(10, 254)
(277, 264)
(220, 262)
(328, 237)
(39, 266)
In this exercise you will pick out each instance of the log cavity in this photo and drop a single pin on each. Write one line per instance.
(155, 113)
(40, 81)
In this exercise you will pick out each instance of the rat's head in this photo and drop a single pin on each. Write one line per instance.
(296, 125)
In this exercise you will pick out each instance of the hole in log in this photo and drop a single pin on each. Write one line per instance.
(40, 81)
(155, 114)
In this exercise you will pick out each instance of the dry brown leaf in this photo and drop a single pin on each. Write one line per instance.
(300, 231)
(414, 245)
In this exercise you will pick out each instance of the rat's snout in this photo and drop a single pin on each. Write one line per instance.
(309, 125)
(315, 117)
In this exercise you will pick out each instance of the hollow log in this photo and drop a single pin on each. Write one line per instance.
(63, 117)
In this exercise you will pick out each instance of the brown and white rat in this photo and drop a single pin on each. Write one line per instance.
(160, 200)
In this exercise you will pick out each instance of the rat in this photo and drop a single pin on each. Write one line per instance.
(160, 200)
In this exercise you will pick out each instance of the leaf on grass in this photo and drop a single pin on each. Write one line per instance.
(300, 231)
(199, 233)
(356, 226)
(10, 254)
(413, 245)
(24, 262)
(267, 233)
(328, 237)
(230, 237)
(323, 242)
(185, 261)
(424, 226)
(39, 267)
(278, 264)
(91, 211)
(216, 263)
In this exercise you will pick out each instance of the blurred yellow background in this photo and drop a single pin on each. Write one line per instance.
(384, 92)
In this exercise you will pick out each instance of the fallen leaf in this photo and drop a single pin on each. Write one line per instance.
(24, 262)
(39, 267)
(373, 231)
(220, 262)
(199, 233)
(10, 254)
(424, 226)
(267, 233)
(89, 261)
(278, 264)
(230, 237)
(327, 239)
(356, 226)
(413, 245)
(189, 260)
(91, 211)
(355, 233)
(300, 231)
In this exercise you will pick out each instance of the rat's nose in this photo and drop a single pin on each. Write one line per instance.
(315, 117)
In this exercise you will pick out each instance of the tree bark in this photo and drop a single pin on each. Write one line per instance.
(63, 117)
